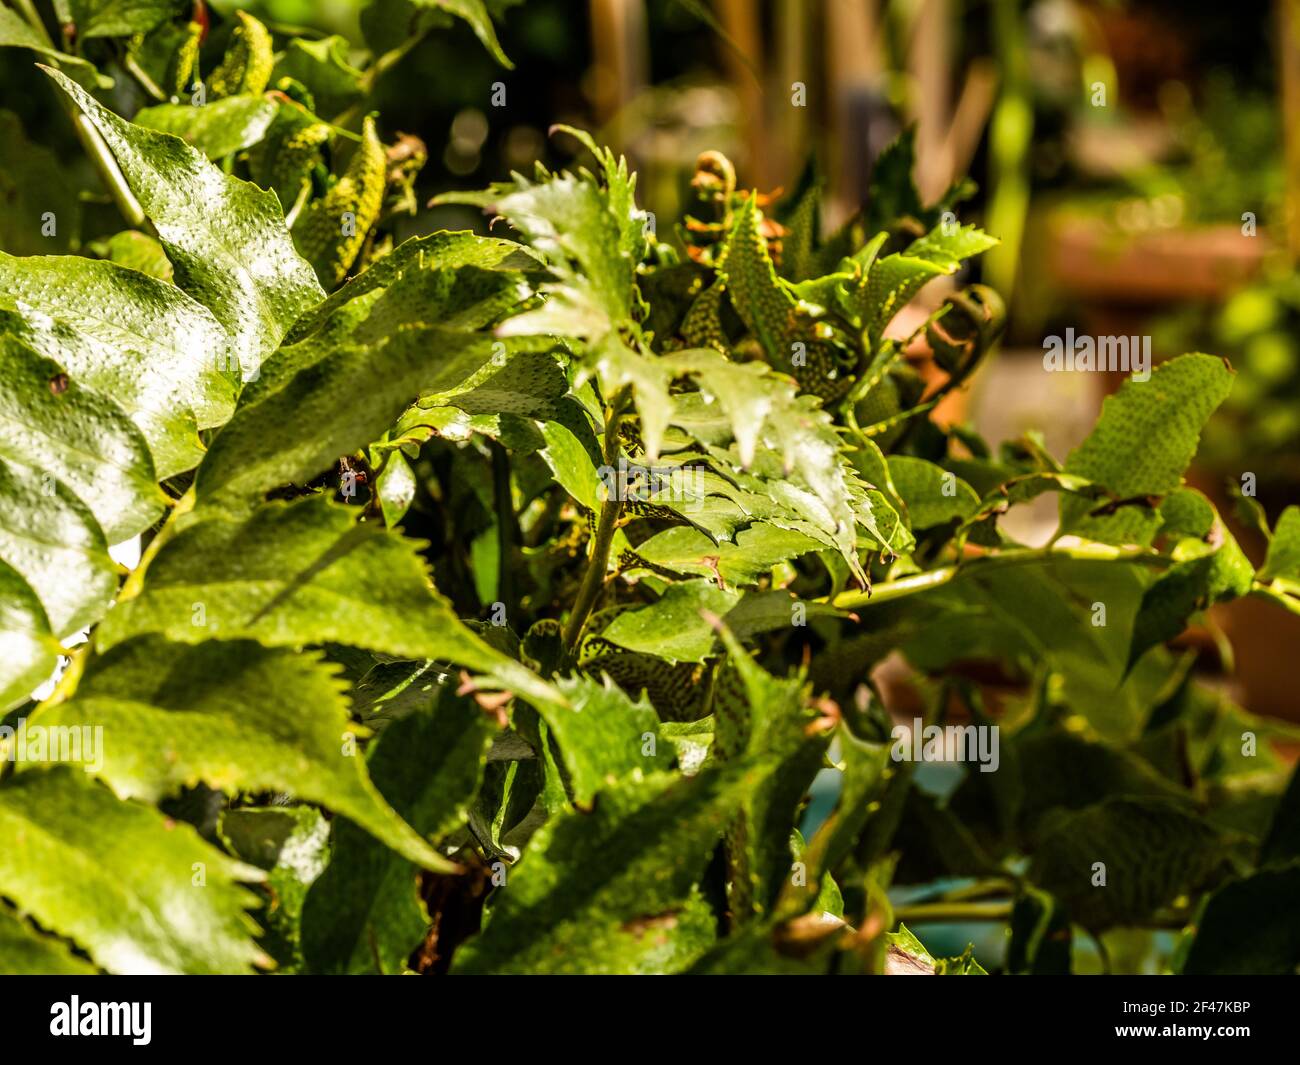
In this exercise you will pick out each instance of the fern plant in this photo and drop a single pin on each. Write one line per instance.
(503, 597)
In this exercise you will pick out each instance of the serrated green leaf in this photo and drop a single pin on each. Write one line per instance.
(54, 542)
(893, 194)
(571, 221)
(603, 735)
(225, 238)
(593, 236)
(800, 438)
(348, 398)
(609, 891)
(527, 386)
(445, 250)
(291, 844)
(78, 437)
(140, 893)
(1144, 440)
(761, 719)
(301, 573)
(161, 356)
(801, 216)
(26, 952)
(744, 563)
(1188, 587)
(889, 283)
(764, 305)
(1153, 850)
(673, 626)
(239, 718)
(363, 915)
(218, 128)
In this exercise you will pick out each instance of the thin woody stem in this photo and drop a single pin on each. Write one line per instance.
(953, 911)
(105, 164)
(610, 511)
(924, 582)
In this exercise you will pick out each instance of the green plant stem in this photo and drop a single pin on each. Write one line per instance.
(28, 11)
(102, 159)
(1272, 595)
(978, 890)
(953, 911)
(105, 165)
(923, 582)
(141, 75)
(507, 527)
(610, 511)
(134, 584)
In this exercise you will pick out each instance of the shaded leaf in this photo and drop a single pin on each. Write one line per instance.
(1152, 850)
(120, 18)
(1284, 548)
(364, 915)
(1248, 927)
(35, 187)
(291, 844)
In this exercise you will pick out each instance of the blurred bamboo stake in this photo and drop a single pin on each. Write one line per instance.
(619, 44)
(978, 93)
(1288, 23)
(739, 19)
(855, 76)
(793, 65)
(930, 65)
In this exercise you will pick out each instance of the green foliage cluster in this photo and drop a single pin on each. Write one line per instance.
(501, 604)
